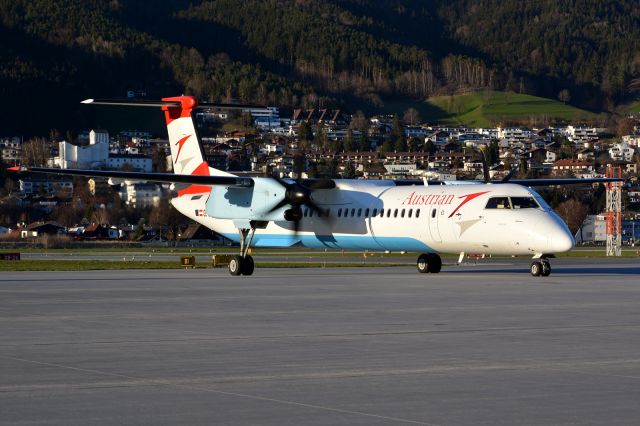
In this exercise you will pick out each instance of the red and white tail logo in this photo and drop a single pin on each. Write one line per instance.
(187, 154)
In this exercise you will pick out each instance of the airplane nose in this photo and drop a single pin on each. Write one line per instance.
(561, 242)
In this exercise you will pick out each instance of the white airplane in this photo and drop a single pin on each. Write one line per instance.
(498, 218)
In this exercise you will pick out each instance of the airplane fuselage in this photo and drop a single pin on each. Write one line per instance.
(379, 216)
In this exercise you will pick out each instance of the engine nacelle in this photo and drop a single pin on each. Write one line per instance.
(251, 203)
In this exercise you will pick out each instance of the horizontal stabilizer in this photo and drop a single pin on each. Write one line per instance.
(150, 177)
(159, 104)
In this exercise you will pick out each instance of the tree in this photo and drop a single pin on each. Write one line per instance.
(299, 164)
(387, 146)
(400, 145)
(348, 141)
(304, 132)
(320, 137)
(396, 128)
(429, 147)
(35, 152)
(364, 144)
(359, 122)
(564, 96)
(573, 212)
(625, 126)
(349, 171)
(411, 116)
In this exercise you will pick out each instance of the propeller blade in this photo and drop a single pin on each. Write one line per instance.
(322, 214)
(322, 184)
(509, 175)
(280, 205)
(296, 227)
(281, 181)
(485, 165)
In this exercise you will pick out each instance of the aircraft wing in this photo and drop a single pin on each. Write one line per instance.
(524, 182)
(560, 181)
(151, 177)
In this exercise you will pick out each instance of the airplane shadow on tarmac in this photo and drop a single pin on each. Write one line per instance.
(559, 271)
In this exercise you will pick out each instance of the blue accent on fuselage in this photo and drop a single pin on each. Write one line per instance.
(347, 242)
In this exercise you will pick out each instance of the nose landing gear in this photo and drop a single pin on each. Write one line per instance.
(540, 267)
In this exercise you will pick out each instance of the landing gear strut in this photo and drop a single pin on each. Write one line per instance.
(429, 262)
(243, 264)
(540, 267)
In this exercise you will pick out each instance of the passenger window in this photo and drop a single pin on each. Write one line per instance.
(498, 203)
(366, 213)
(339, 212)
(375, 213)
(410, 212)
(359, 212)
(402, 213)
(524, 203)
(395, 213)
(417, 213)
(389, 213)
(353, 212)
(305, 213)
(433, 213)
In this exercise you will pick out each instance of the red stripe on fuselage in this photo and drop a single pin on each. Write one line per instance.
(467, 198)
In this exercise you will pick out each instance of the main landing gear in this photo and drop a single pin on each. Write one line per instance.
(540, 267)
(429, 262)
(243, 264)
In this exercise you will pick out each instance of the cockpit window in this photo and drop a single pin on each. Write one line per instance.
(498, 203)
(524, 203)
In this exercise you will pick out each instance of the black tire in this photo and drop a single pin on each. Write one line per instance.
(435, 263)
(236, 265)
(423, 263)
(247, 265)
(536, 268)
(546, 269)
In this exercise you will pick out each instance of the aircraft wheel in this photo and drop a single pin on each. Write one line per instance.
(546, 268)
(536, 268)
(429, 262)
(247, 265)
(236, 265)
(423, 264)
(435, 264)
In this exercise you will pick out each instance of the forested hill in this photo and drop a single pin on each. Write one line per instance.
(354, 53)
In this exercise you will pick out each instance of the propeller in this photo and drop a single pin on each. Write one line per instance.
(298, 194)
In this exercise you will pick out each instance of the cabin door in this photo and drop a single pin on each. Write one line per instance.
(434, 213)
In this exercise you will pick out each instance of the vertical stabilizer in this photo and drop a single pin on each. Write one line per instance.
(187, 153)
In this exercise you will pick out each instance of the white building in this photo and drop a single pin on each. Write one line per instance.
(141, 194)
(137, 162)
(400, 169)
(621, 151)
(11, 149)
(593, 229)
(514, 134)
(268, 112)
(581, 133)
(85, 157)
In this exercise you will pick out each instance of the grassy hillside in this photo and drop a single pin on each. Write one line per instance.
(634, 106)
(486, 108)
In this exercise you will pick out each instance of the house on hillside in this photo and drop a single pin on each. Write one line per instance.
(562, 167)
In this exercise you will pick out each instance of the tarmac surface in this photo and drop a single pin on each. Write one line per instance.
(474, 345)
